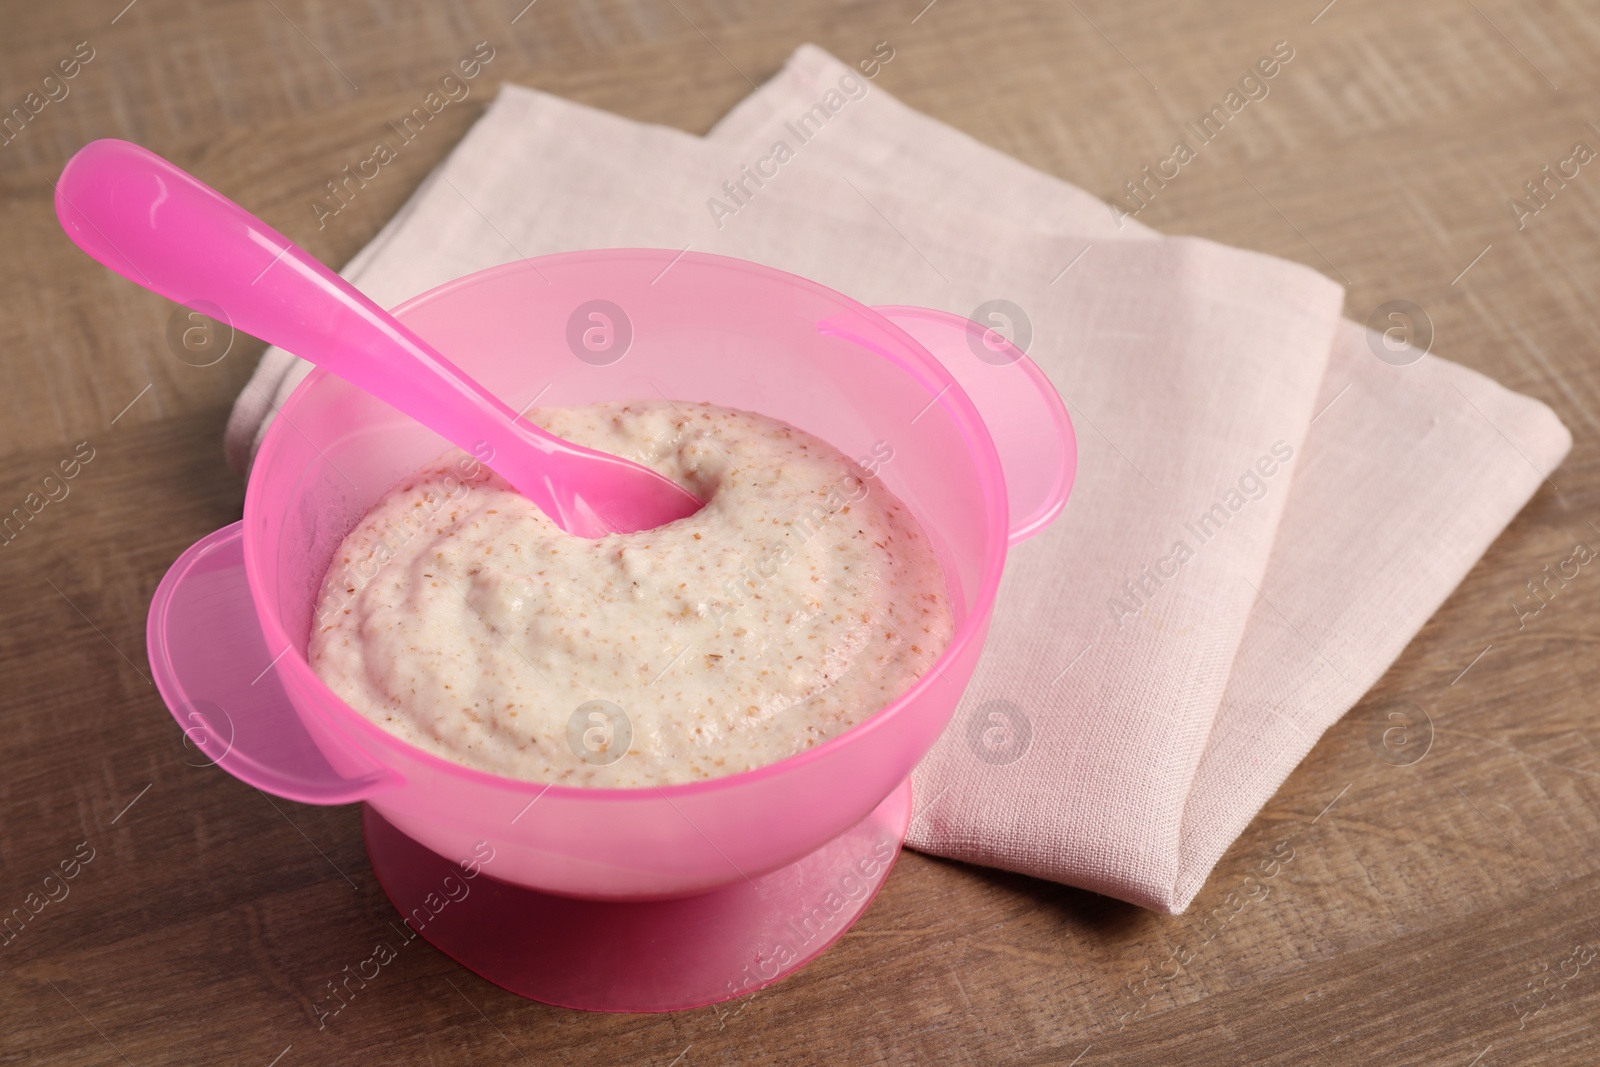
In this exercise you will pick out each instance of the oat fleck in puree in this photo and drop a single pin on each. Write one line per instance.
(799, 601)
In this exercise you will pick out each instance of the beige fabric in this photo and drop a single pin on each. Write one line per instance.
(1158, 727)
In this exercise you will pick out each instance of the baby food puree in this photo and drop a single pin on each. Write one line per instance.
(800, 600)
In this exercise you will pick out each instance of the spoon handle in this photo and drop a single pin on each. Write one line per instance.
(162, 228)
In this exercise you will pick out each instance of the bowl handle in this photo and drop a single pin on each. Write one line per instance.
(214, 670)
(1025, 415)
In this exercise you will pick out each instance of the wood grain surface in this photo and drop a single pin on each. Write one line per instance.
(1443, 912)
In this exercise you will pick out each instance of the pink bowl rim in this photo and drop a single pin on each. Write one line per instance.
(968, 421)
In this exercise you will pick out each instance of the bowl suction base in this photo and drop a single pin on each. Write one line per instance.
(651, 956)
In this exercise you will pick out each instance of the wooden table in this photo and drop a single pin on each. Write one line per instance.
(1438, 913)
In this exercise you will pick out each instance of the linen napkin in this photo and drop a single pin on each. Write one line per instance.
(1145, 718)
(1386, 513)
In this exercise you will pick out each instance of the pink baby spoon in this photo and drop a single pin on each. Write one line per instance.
(161, 228)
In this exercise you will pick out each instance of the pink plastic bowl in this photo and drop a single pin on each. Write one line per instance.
(681, 326)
